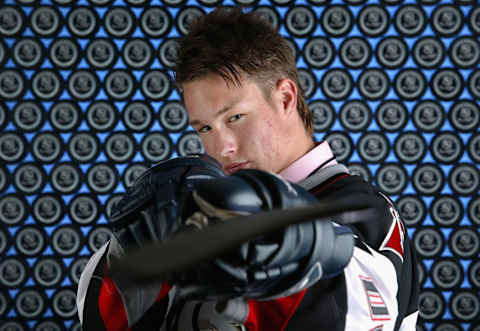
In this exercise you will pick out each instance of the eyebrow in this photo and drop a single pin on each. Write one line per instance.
(218, 113)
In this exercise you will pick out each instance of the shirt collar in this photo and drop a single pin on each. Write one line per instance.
(320, 156)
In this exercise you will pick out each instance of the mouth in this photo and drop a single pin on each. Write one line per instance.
(233, 167)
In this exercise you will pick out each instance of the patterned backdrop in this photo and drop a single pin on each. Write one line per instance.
(87, 104)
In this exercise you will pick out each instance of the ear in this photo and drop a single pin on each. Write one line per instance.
(287, 94)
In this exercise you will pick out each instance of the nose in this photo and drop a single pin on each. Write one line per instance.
(225, 144)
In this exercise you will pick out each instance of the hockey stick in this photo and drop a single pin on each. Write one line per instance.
(155, 261)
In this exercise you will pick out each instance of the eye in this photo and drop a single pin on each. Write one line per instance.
(235, 117)
(204, 129)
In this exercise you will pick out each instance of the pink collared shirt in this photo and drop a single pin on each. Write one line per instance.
(320, 155)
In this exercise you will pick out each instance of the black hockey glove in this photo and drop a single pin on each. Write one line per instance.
(275, 265)
(151, 208)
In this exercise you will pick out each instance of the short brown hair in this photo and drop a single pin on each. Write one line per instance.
(229, 42)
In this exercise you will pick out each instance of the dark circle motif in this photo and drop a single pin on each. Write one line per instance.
(64, 53)
(5, 243)
(76, 269)
(446, 20)
(341, 145)
(190, 144)
(465, 305)
(47, 147)
(120, 148)
(474, 211)
(102, 178)
(28, 53)
(428, 179)
(410, 84)
(12, 326)
(465, 52)
(168, 52)
(186, 17)
(337, 21)
(428, 116)
(300, 21)
(391, 178)
(337, 84)
(156, 147)
(111, 201)
(412, 210)
(308, 82)
(464, 243)
(428, 242)
(83, 85)
(155, 22)
(323, 115)
(30, 303)
(474, 83)
(101, 116)
(447, 326)
(410, 147)
(373, 20)
(431, 305)
(49, 325)
(446, 211)
(464, 179)
(82, 22)
(474, 274)
(65, 116)
(446, 274)
(101, 53)
(66, 241)
(156, 85)
(48, 209)
(474, 20)
(429, 52)
(269, 14)
(11, 21)
(98, 237)
(47, 84)
(45, 21)
(137, 54)
(119, 22)
(410, 20)
(83, 147)
(30, 241)
(392, 115)
(12, 84)
(4, 178)
(293, 46)
(132, 173)
(173, 116)
(3, 304)
(65, 178)
(13, 210)
(464, 116)
(360, 169)
(446, 84)
(12, 147)
(120, 84)
(28, 116)
(392, 52)
(355, 115)
(137, 116)
(319, 52)
(373, 147)
(355, 52)
(48, 272)
(29, 178)
(446, 147)
(63, 303)
(84, 209)
(13, 272)
(373, 84)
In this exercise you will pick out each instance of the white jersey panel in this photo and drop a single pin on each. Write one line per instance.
(372, 288)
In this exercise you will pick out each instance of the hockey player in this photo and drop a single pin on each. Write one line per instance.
(240, 87)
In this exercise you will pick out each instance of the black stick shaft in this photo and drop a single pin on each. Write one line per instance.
(157, 260)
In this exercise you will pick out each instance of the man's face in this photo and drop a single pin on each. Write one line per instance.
(238, 126)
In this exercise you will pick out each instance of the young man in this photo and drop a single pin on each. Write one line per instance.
(240, 86)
